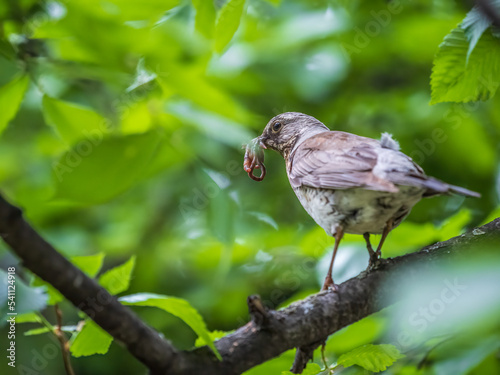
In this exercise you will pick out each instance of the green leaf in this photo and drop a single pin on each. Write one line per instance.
(53, 293)
(92, 339)
(11, 96)
(474, 24)
(104, 170)
(204, 19)
(177, 307)
(124, 10)
(371, 357)
(30, 317)
(363, 332)
(6, 50)
(227, 23)
(453, 225)
(454, 79)
(460, 359)
(214, 126)
(117, 279)
(274, 2)
(89, 264)
(214, 335)
(311, 369)
(42, 330)
(37, 331)
(221, 216)
(73, 122)
(144, 9)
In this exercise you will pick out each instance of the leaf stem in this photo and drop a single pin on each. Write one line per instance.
(62, 340)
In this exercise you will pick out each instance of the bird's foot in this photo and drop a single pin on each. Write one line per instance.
(374, 260)
(330, 285)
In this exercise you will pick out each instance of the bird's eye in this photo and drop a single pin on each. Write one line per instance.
(276, 127)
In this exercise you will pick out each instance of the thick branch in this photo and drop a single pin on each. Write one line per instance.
(85, 293)
(268, 334)
(308, 322)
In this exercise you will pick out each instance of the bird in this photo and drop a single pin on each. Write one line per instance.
(347, 183)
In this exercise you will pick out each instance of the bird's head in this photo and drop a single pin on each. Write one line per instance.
(289, 129)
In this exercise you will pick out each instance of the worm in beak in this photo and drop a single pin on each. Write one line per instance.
(254, 158)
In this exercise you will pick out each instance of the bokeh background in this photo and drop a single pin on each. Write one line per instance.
(128, 142)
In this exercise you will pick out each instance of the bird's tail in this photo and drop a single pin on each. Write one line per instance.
(435, 186)
(463, 191)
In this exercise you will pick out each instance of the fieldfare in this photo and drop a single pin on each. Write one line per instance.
(345, 182)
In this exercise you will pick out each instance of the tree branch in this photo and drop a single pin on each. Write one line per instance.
(303, 324)
(85, 293)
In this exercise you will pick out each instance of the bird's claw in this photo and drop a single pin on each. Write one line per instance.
(374, 259)
(333, 288)
(329, 285)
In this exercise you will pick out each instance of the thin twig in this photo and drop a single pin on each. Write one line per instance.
(62, 340)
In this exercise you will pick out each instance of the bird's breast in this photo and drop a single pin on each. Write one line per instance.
(357, 210)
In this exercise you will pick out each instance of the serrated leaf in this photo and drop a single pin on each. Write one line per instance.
(74, 122)
(204, 19)
(311, 369)
(103, 171)
(227, 23)
(454, 79)
(371, 357)
(474, 24)
(92, 339)
(177, 307)
(11, 96)
(89, 264)
(117, 280)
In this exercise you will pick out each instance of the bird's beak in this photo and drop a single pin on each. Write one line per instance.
(262, 141)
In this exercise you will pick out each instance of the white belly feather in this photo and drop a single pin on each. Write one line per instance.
(357, 210)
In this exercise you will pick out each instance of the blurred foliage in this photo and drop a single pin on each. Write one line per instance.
(121, 127)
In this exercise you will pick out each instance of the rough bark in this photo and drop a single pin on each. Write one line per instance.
(269, 333)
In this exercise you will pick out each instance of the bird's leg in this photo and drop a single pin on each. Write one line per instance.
(329, 284)
(373, 255)
(385, 232)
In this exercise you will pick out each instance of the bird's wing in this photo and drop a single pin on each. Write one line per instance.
(337, 160)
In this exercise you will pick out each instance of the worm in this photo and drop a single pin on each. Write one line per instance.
(254, 159)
